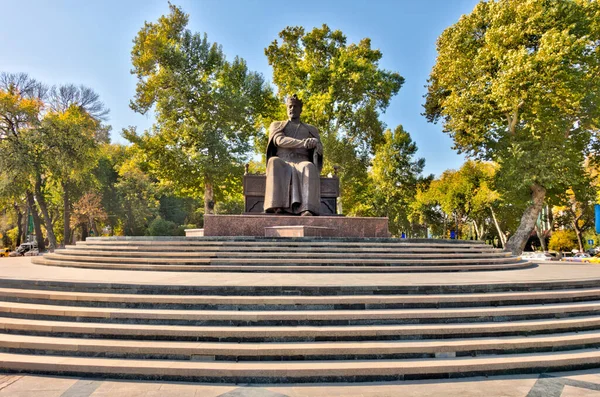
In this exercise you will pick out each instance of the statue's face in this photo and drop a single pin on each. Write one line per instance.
(294, 110)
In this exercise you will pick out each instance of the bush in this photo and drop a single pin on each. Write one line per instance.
(563, 240)
(161, 227)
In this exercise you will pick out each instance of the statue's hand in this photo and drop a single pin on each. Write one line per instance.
(310, 143)
(319, 148)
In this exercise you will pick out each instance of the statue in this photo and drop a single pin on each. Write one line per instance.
(294, 162)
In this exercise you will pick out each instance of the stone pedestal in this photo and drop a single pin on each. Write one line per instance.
(194, 232)
(254, 225)
(299, 231)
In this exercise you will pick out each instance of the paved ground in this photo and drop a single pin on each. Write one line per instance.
(566, 384)
(22, 268)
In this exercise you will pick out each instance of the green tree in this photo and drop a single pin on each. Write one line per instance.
(21, 106)
(207, 108)
(462, 198)
(71, 132)
(344, 92)
(70, 150)
(138, 194)
(106, 176)
(516, 82)
(396, 174)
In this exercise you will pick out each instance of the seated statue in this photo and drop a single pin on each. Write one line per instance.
(294, 162)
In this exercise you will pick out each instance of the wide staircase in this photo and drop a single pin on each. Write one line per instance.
(228, 254)
(303, 331)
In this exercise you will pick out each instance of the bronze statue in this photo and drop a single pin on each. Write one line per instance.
(294, 162)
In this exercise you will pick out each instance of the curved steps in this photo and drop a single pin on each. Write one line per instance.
(319, 371)
(295, 331)
(282, 255)
(253, 334)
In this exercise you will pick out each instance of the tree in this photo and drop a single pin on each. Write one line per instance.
(207, 108)
(458, 198)
(69, 139)
(516, 82)
(106, 177)
(396, 174)
(21, 105)
(88, 212)
(575, 208)
(562, 240)
(138, 194)
(344, 92)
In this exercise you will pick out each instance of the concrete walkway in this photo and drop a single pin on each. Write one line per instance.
(565, 384)
(22, 269)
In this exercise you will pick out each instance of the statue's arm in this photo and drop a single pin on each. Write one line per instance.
(319, 145)
(283, 141)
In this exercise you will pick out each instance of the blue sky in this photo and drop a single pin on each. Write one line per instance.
(89, 42)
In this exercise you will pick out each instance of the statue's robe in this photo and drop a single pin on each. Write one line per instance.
(293, 172)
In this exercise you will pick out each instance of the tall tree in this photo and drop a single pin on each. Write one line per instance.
(71, 132)
(344, 91)
(21, 106)
(516, 82)
(207, 108)
(396, 174)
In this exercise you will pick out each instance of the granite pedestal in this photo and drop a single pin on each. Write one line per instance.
(299, 231)
(254, 225)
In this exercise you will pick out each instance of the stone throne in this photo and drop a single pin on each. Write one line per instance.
(254, 193)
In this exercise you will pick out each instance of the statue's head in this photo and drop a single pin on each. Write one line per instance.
(294, 107)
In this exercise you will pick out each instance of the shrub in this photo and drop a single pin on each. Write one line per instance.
(161, 227)
(563, 240)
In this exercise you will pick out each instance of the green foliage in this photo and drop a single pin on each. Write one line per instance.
(176, 209)
(161, 227)
(344, 91)
(138, 196)
(458, 197)
(395, 175)
(9, 238)
(516, 83)
(591, 235)
(563, 240)
(207, 108)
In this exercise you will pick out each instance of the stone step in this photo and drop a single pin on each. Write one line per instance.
(299, 371)
(295, 286)
(280, 255)
(349, 260)
(297, 317)
(279, 268)
(295, 333)
(280, 248)
(274, 351)
(267, 302)
(288, 242)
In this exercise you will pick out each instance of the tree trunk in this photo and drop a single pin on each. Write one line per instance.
(517, 241)
(19, 223)
(501, 234)
(578, 233)
(25, 224)
(95, 228)
(37, 224)
(84, 231)
(45, 215)
(540, 234)
(66, 215)
(209, 203)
